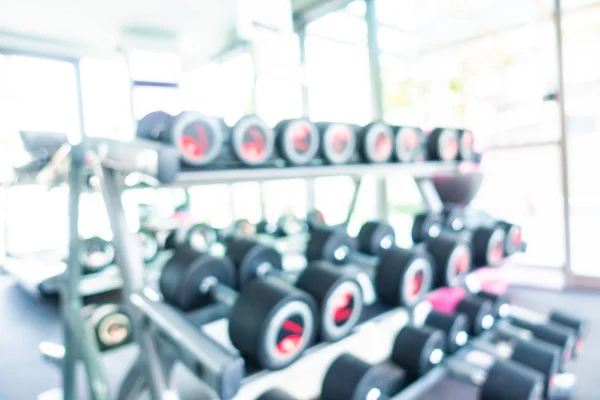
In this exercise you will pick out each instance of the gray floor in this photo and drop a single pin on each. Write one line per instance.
(25, 322)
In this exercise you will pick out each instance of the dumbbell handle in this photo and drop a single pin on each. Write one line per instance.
(218, 292)
(512, 330)
(464, 371)
(267, 269)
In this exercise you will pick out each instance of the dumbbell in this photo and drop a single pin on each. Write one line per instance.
(375, 142)
(410, 144)
(286, 225)
(442, 144)
(96, 254)
(458, 218)
(415, 352)
(149, 245)
(338, 142)
(479, 313)
(496, 379)
(487, 243)
(276, 394)
(534, 354)
(338, 295)
(466, 146)
(270, 322)
(297, 140)
(455, 328)
(112, 327)
(401, 277)
(561, 330)
(351, 378)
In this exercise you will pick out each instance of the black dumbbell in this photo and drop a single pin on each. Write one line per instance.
(487, 243)
(579, 327)
(559, 336)
(459, 218)
(451, 256)
(112, 326)
(329, 243)
(96, 254)
(298, 140)
(338, 142)
(199, 138)
(351, 378)
(442, 144)
(410, 144)
(149, 244)
(496, 379)
(375, 142)
(479, 313)
(276, 394)
(466, 146)
(455, 328)
(500, 304)
(270, 321)
(534, 354)
(337, 294)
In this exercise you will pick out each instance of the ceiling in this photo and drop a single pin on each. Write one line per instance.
(197, 29)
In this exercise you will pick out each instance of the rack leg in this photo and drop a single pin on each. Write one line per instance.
(431, 198)
(354, 201)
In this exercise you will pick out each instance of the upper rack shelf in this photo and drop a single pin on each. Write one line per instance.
(418, 170)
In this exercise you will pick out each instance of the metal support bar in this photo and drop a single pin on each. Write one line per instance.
(130, 263)
(431, 198)
(310, 183)
(354, 201)
(376, 95)
(560, 98)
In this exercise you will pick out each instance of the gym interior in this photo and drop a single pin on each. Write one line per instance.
(394, 199)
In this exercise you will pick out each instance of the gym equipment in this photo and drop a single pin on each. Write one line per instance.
(298, 141)
(338, 295)
(149, 244)
(112, 327)
(96, 254)
(401, 277)
(466, 146)
(276, 394)
(452, 257)
(533, 354)
(351, 378)
(376, 142)
(562, 337)
(442, 144)
(487, 243)
(409, 144)
(286, 225)
(458, 218)
(338, 142)
(270, 321)
(252, 140)
(454, 326)
(479, 313)
(197, 137)
(496, 379)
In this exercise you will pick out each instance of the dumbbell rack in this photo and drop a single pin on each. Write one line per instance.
(149, 316)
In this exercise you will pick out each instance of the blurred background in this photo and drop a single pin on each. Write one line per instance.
(489, 65)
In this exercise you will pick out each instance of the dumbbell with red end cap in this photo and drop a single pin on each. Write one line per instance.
(198, 137)
(466, 146)
(459, 218)
(111, 324)
(338, 295)
(298, 140)
(409, 144)
(270, 321)
(331, 244)
(496, 379)
(376, 142)
(579, 327)
(442, 144)
(451, 256)
(487, 243)
(351, 378)
(338, 142)
(401, 277)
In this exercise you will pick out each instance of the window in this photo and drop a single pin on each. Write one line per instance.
(107, 98)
